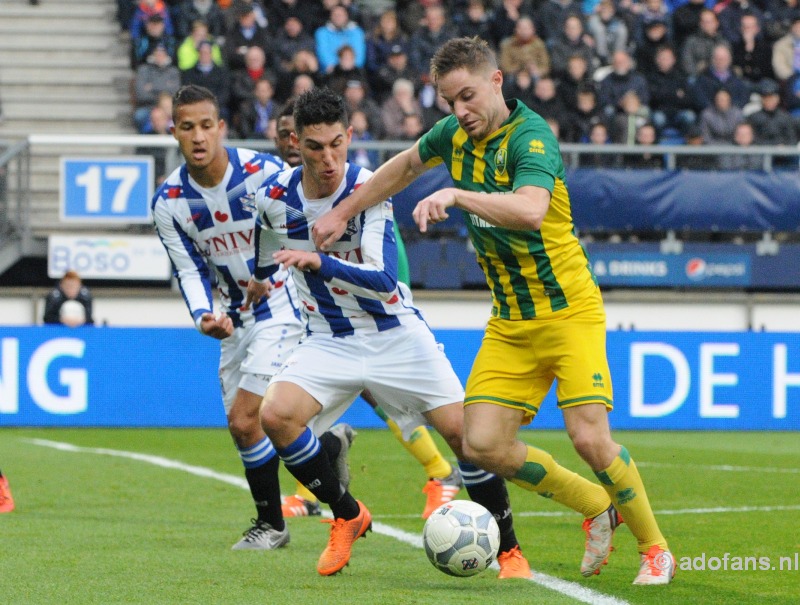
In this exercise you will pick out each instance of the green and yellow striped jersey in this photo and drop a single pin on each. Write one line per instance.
(530, 273)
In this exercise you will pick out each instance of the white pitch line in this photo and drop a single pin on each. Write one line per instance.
(728, 468)
(565, 587)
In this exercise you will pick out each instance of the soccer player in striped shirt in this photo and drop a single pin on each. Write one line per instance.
(204, 215)
(363, 330)
(548, 319)
(444, 479)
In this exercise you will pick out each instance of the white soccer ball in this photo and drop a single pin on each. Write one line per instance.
(461, 538)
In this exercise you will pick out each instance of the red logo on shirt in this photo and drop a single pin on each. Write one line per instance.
(339, 291)
(220, 216)
(251, 168)
(173, 192)
(393, 300)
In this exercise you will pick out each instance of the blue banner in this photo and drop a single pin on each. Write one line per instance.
(132, 377)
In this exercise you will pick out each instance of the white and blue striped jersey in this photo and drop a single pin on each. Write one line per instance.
(215, 227)
(356, 288)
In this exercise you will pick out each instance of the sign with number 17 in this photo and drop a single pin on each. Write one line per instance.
(110, 190)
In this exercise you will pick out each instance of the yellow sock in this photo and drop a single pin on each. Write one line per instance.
(301, 491)
(422, 447)
(542, 474)
(624, 485)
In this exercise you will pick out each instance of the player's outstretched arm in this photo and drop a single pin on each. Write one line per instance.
(395, 175)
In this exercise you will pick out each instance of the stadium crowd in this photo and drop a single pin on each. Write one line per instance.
(600, 71)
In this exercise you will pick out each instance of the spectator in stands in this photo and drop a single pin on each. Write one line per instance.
(505, 18)
(237, 7)
(598, 135)
(622, 79)
(608, 30)
(159, 124)
(694, 138)
(309, 12)
(546, 102)
(412, 127)
(245, 34)
(154, 35)
(730, 18)
(520, 86)
(552, 15)
(291, 39)
(361, 132)
(475, 20)
(670, 99)
(346, 70)
(572, 41)
(435, 111)
(647, 12)
(752, 53)
(337, 32)
(632, 114)
(302, 83)
(401, 103)
(786, 52)
(433, 32)
(156, 76)
(189, 50)
(778, 18)
(304, 63)
(719, 75)
(356, 99)
(655, 36)
(69, 303)
(397, 66)
(209, 74)
(699, 47)
(686, 21)
(743, 136)
(144, 10)
(645, 135)
(207, 11)
(772, 125)
(524, 50)
(256, 113)
(243, 81)
(719, 120)
(577, 77)
(385, 37)
(578, 123)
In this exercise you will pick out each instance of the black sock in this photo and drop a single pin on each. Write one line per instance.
(318, 477)
(493, 495)
(331, 445)
(266, 491)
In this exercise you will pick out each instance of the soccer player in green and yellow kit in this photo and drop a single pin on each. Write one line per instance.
(548, 319)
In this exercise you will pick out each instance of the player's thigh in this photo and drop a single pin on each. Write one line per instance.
(329, 370)
(508, 371)
(232, 353)
(409, 374)
(581, 364)
(489, 427)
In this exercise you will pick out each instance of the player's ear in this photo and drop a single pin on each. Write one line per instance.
(497, 79)
(349, 134)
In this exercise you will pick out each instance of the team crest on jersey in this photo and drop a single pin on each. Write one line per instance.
(351, 227)
(500, 160)
(536, 146)
(458, 154)
(249, 202)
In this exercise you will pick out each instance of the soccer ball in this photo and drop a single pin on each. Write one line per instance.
(461, 538)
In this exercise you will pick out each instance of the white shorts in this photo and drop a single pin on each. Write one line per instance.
(252, 354)
(404, 368)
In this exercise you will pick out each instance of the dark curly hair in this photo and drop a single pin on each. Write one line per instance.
(191, 94)
(320, 105)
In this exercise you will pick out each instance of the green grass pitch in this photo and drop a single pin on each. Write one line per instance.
(96, 526)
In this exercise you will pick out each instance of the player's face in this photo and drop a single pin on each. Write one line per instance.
(198, 131)
(323, 148)
(475, 99)
(287, 147)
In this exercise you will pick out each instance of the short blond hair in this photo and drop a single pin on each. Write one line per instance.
(472, 54)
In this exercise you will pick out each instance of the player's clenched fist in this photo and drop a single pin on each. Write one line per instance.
(255, 292)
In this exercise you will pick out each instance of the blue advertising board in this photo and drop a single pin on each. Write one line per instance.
(106, 190)
(157, 377)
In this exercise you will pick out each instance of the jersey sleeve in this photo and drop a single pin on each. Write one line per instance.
(189, 267)
(432, 144)
(376, 276)
(532, 156)
(266, 242)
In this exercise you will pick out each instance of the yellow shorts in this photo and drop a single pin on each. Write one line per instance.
(518, 361)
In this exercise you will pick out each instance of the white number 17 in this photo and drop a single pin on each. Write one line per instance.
(93, 182)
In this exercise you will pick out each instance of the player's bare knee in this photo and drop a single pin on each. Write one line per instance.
(244, 428)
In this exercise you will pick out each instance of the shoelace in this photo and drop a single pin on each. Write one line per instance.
(337, 525)
(259, 529)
